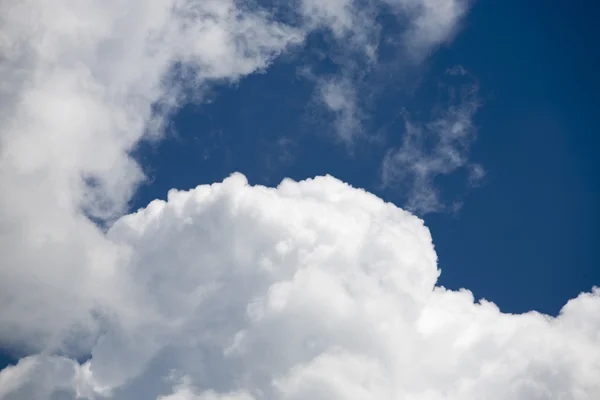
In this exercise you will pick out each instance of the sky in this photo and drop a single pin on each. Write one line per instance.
(369, 199)
(532, 217)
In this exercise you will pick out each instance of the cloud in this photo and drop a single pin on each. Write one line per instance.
(355, 42)
(348, 93)
(339, 96)
(315, 290)
(426, 24)
(432, 23)
(79, 86)
(435, 148)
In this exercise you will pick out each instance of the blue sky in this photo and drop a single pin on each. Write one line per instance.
(122, 278)
(526, 237)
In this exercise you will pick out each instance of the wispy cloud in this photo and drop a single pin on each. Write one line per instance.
(435, 148)
(354, 37)
(338, 95)
(431, 23)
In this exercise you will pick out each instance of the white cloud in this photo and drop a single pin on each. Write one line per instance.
(338, 95)
(78, 83)
(310, 290)
(352, 23)
(432, 23)
(356, 31)
(426, 23)
(433, 149)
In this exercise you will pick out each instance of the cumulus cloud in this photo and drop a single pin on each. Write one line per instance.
(80, 82)
(311, 290)
(435, 148)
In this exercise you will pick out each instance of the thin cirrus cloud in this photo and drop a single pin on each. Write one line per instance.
(435, 148)
(311, 290)
(427, 25)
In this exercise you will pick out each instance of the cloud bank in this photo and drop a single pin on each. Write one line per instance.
(310, 290)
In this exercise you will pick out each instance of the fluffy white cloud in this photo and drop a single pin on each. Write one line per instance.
(312, 290)
(79, 80)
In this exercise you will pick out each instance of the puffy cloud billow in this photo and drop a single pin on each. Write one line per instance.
(311, 290)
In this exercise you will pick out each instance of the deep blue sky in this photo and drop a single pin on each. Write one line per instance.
(528, 237)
